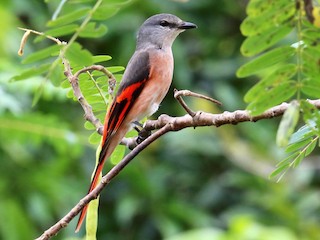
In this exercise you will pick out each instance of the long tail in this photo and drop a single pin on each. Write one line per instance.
(109, 144)
(93, 184)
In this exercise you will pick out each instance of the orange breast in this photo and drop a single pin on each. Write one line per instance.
(156, 87)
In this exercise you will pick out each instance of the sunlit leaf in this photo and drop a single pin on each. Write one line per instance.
(104, 12)
(92, 219)
(78, 56)
(42, 54)
(255, 44)
(55, 75)
(311, 88)
(279, 170)
(303, 133)
(117, 154)
(259, 7)
(257, 23)
(91, 30)
(101, 58)
(297, 145)
(273, 96)
(115, 69)
(117, 2)
(279, 76)
(35, 71)
(89, 126)
(311, 146)
(70, 17)
(288, 123)
(94, 138)
(266, 60)
(61, 31)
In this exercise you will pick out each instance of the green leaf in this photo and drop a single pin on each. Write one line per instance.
(61, 31)
(296, 162)
(70, 93)
(92, 31)
(292, 147)
(288, 159)
(273, 96)
(115, 69)
(311, 146)
(101, 58)
(117, 2)
(257, 43)
(92, 214)
(55, 74)
(266, 60)
(42, 54)
(69, 18)
(311, 62)
(279, 170)
(281, 75)
(303, 133)
(92, 219)
(117, 154)
(311, 88)
(259, 7)
(89, 126)
(94, 98)
(35, 71)
(257, 23)
(99, 106)
(78, 56)
(104, 12)
(94, 138)
(288, 123)
(65, 84)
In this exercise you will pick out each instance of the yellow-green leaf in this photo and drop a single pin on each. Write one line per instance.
(288, 123)
(35, 71)
(311, 88)
(255, 24)
(101, 58)
(42, 54)
(70, 17)
(273, 96)
(78, 56)
(91, 30)
(260, 42)
(117, 154)
(61, 31)
(115, 69)
(104, 12)
(55, 74)
(279, 76)
(266, 60)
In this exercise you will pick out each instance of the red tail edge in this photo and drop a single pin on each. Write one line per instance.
(93, 184)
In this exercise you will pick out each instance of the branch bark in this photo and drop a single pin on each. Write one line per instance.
(167, 124)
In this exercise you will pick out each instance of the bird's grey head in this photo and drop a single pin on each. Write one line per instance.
(161, 30)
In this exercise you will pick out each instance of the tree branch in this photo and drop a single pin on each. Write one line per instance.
(74, 81)
(167, 124)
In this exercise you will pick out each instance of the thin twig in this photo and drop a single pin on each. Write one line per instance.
(179, 93)
(56, 40)
(74, 81)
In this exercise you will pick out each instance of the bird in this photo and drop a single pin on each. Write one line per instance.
(145, 83)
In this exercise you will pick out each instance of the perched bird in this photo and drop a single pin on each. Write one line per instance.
(145, 83)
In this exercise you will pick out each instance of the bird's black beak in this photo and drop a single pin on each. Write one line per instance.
(187, 25)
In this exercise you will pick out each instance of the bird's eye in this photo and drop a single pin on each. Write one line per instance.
(164, 23)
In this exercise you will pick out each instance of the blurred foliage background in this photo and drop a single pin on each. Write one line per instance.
(204, 183)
